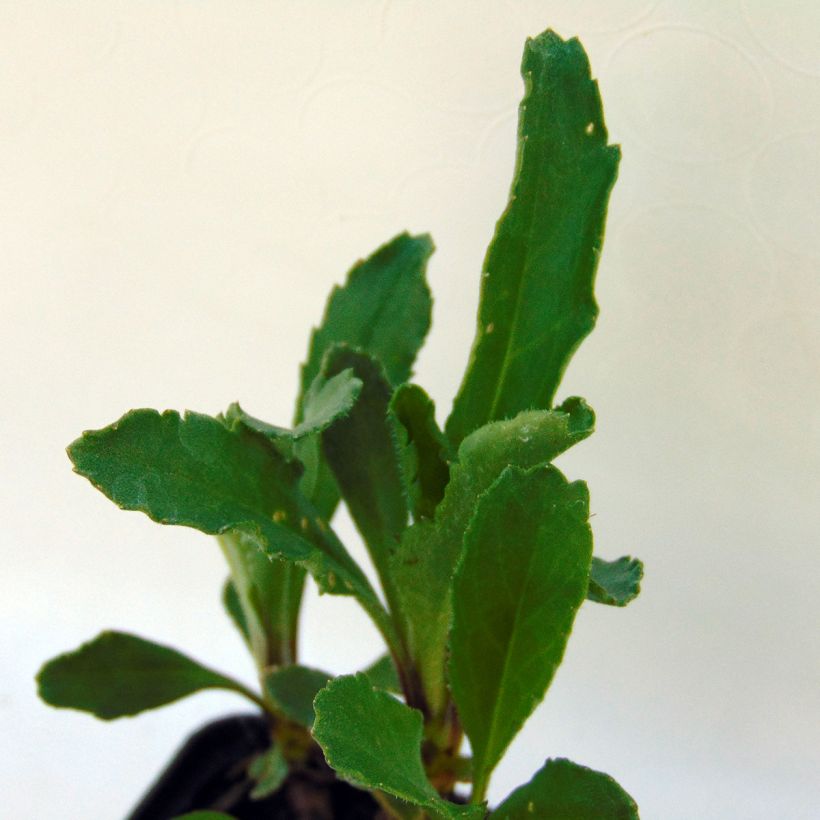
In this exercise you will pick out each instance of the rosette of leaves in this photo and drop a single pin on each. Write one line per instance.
(482, 548)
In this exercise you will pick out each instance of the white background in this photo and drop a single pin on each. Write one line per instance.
(180, 185)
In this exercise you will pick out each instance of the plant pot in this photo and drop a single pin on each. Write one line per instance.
(210, 772)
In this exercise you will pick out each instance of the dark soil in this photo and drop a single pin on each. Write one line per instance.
(210, 772)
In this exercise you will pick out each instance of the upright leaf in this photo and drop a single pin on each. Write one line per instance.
(429, 550)
(233, 606)
(522, 577)
(562, 790)
(291, 689)
(383, 675)
(197, 472)
(615, 583)
(361, 450)
(537, 300)
(373, 740)
(269, 770)
(425, 449)
(119, 675)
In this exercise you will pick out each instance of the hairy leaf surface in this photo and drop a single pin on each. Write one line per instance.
(537, 301)
(373, 740)
(118, 675)
(522, 577)
(562, 790)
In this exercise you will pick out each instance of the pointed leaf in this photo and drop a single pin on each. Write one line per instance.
(233, 606)
(425, 448)
(615, 583)
(383, 308)
(562, 790)
(522, 577)
(196, 472)
(362, 452)
(537, 301)
(383, 675)
(429, 551)
(118, 675)
(292, 689)
(373, 740)
(269, 770)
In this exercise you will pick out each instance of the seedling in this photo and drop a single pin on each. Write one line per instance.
(482, 548)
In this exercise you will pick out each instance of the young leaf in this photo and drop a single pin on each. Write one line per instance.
(562, 790)
(383, 308)
(119, 675)
(521, 579)
(326, 401)
(361, 450)
(429, 550)
(292, 689)
(270, 770)
(195, 471)
(233, 606)
(537, 300)
(373, 740)
(425, 448)
(615, 583)
(383, 675)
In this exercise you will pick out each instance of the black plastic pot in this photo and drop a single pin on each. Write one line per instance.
(210, 772)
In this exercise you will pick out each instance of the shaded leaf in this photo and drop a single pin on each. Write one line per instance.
(615, 582)
(537, 301)
(233, 606)
(383, 675)
(562, 790)
(269, 770)
(118, 675)
(425, 449)
(196, 472)
(522, 577)
(373, 740)
(429, 551)
(292, 689)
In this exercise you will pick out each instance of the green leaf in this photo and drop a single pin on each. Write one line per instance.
(383, 308)
(195, 471)
(615, 582)
(118, 675)
(233, 606)
(522, 577)
(537, 301)
(362, 452)
(425, 449)
(373, 740)
(326, 401)
(292, 689)
(269, 770)
(428, 553)
(383, 675)
(562, 790)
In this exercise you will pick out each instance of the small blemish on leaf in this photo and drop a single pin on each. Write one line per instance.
(590, 129)
(304, 524)
(490, 328)
(279, 516)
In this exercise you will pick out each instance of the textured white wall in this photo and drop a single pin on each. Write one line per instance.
(180, 185)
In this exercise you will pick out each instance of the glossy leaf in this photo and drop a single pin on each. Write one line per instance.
(383, 675)
(292, 689)
(118, 675)
(429, 551)
(269, 770)
(196, 472)
(615, 583)
(521, 579)
(562, 790)
(425, 449)
(537, 301)
(373, 740)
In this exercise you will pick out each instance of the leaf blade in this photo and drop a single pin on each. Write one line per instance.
(520, 581)
(562, 790)
(537, 300)
(615, 583)
(292, 690)
(119, 675)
